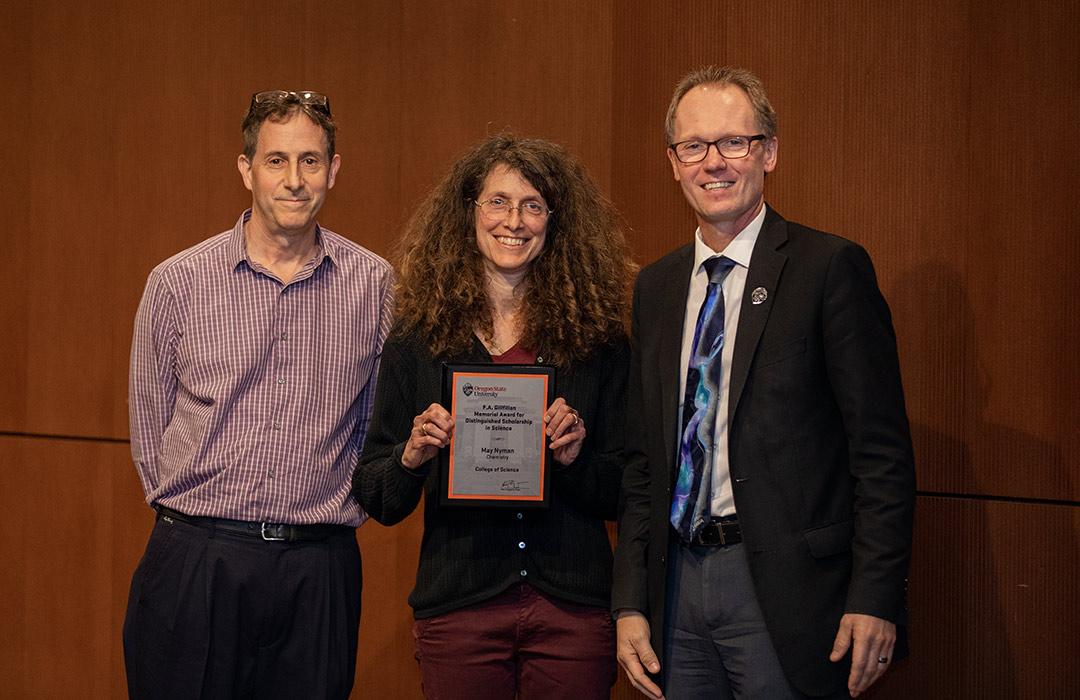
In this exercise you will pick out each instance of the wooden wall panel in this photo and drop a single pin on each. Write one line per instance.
(385, 667)
(984, 320)
(993, 602)
(75, 527)
(478, 68)
(15, 125)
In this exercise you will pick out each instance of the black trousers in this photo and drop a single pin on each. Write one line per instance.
(213, 614)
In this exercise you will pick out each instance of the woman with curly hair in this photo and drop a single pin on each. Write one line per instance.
(515, 257)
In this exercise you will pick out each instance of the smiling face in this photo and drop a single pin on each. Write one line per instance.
(724, 194)
(509, 243)
(289, 175)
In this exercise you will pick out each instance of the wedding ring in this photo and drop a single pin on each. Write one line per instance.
(883, 659)
(423, 429)
(576, 419)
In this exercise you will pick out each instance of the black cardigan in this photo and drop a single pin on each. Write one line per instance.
(471, 554)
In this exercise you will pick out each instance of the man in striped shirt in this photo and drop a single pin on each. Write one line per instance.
(253, 370)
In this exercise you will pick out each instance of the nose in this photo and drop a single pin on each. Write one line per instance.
(513, 218)
(294, 177)
(713, 159)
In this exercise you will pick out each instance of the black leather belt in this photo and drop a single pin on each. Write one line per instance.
(270, 532)
(719, 532)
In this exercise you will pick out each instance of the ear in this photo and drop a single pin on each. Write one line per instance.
(674, 164)
(244, 166)
(335, 163)
(771, 147)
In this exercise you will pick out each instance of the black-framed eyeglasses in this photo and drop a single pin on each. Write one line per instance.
(498, 208)
(315, 100)
(730, 147)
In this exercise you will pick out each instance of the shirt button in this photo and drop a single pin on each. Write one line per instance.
(523, 572)
(270, 471)
(277, 426)
(281, 380)
(520, 516)
(284, 335)
(521, 545)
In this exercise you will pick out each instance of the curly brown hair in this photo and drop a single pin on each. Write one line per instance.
(576, 293)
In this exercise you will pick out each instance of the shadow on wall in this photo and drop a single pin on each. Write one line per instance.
(979, 579)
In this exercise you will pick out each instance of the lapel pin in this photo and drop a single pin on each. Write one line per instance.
(759, 295)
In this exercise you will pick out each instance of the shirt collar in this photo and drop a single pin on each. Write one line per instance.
(739, 249)
(324, 246)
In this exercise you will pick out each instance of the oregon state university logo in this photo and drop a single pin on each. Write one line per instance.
(466, 389)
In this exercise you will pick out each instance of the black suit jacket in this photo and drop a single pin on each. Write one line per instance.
(819, 446)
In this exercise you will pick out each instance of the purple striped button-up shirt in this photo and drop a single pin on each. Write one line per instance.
(249, 399)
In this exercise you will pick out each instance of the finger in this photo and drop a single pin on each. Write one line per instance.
(437, 415)
(860, 666)
(415, 452)
(841, 643)
(419, 440)
(880, 662)
(574, 419)
(562, 423)
(644, 651)
(879, 647)
(577, 435)
(559, 422)
(554, 409)
(638, 678)
(647, 687)
(433, 430)
(435, 421)
(887, 651)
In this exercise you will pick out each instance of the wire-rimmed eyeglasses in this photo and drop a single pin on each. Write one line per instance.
(499, 208)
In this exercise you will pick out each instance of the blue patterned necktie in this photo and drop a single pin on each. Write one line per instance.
(693, 488)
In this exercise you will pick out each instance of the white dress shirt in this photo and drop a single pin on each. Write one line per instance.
(739, 250)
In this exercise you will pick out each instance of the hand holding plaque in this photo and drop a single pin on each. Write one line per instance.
(565, 431)
(431, 430)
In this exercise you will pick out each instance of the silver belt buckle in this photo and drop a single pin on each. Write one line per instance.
(272, 537)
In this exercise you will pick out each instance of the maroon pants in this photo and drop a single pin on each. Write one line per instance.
(521, 644)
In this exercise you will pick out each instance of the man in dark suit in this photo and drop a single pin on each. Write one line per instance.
(764, 544)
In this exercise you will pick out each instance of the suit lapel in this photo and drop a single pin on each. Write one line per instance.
(672, 305)
(765, 267)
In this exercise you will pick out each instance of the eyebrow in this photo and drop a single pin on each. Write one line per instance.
(526, 198)
(283, 154)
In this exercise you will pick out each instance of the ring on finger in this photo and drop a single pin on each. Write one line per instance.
(423, 429)
(576, 418)
(883, 659)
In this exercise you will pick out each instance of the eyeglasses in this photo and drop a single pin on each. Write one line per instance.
(499, 208)
(315, 100)
(730, 147)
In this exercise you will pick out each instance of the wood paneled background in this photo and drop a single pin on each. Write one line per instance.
(940, 135)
